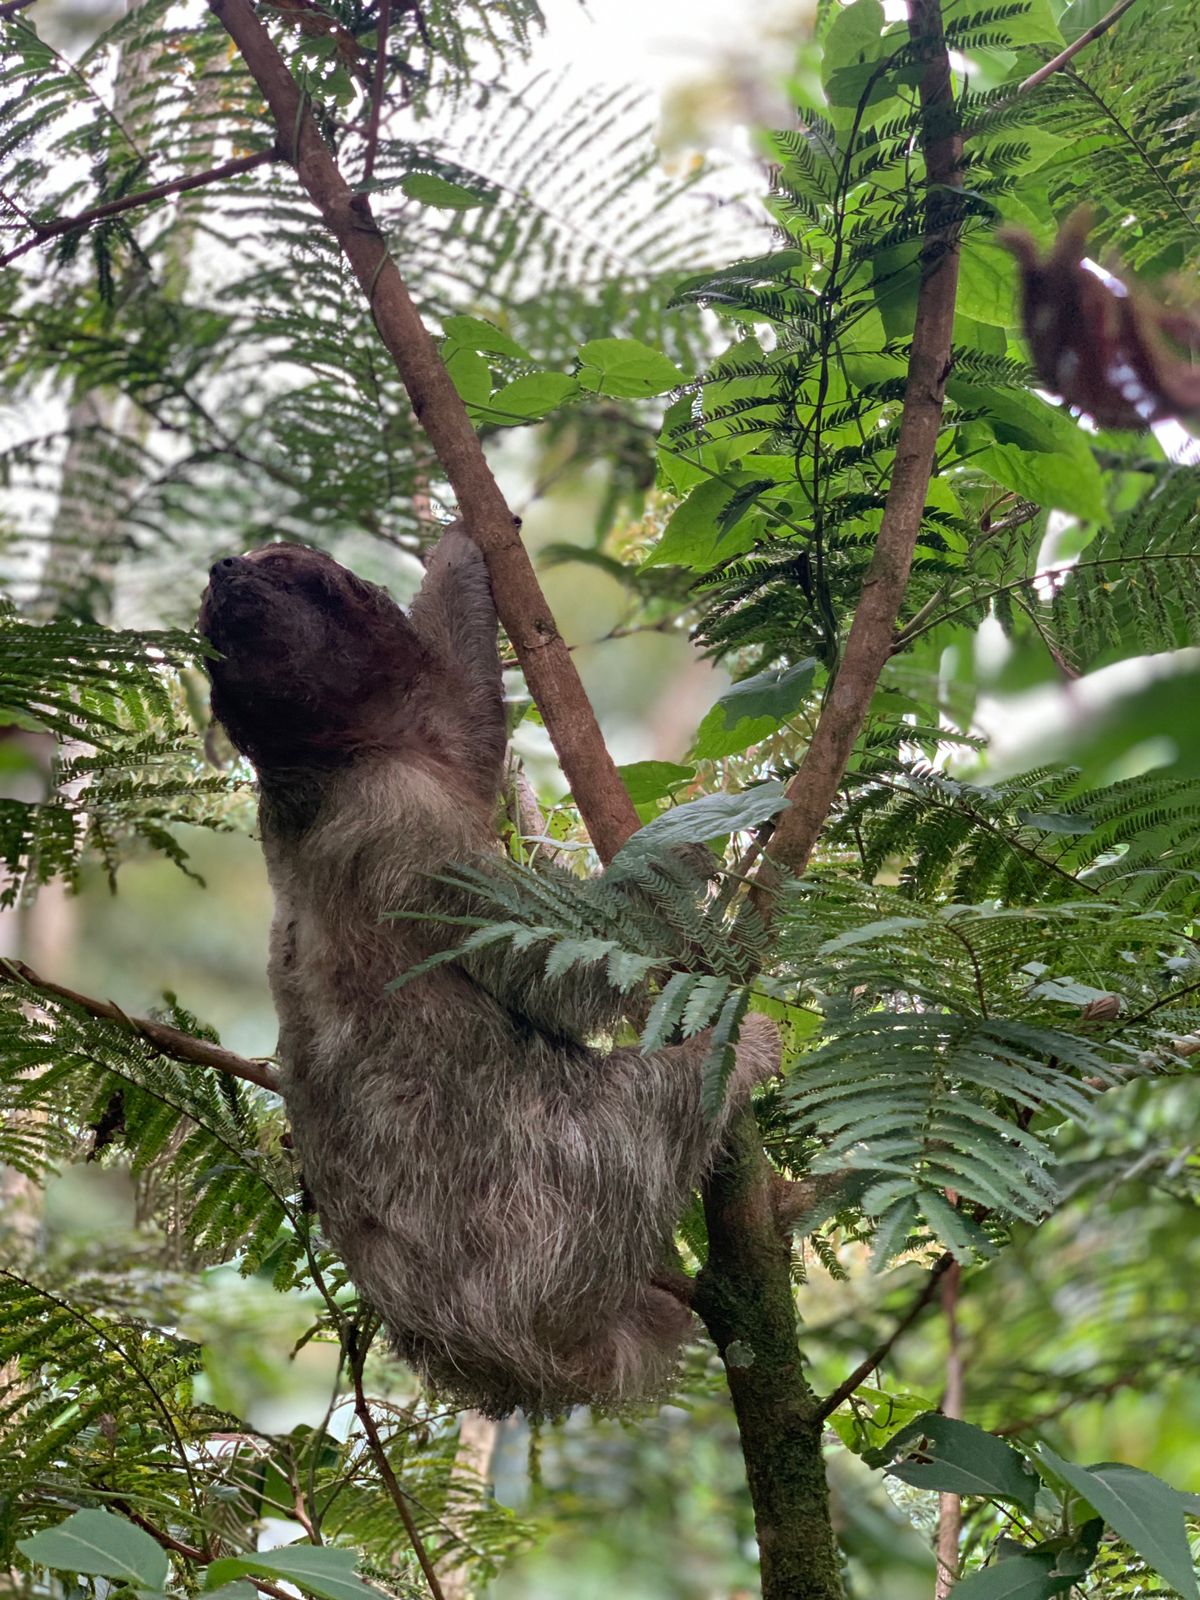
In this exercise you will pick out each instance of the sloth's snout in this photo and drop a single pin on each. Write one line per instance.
(227, 567)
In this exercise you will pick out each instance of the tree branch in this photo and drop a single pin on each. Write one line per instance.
(549, 671)
(144, 197)
(168, 1041)
(1073, 49)
(881, 1351)
(744, 1292)
(814, 788)
(377, 82)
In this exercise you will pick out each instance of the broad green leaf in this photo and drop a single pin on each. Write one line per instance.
(473, 333)
(1026, 1577)
(531, 397)
(873, 1417)
(626, 368)
(1017, 416)
(653, 780)
(987, 283)
(710, 817)
(1030, 23)
(102, 1546)
(715, 739)
(852, 37)
(1046, 477)
(753, 709)
(1146, 1512)
(1080, 15)
(963, 1459)
(470, 375)
(430, 190)
(323, 1570)
(777, 692)
(692, 536)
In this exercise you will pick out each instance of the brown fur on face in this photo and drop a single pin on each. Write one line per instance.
(316, 666)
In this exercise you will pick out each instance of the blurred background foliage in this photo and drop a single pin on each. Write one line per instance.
(189, 380)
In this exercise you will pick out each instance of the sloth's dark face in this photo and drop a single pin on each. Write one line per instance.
(314, 665)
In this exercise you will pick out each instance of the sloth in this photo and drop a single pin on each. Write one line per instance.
(501, 1188)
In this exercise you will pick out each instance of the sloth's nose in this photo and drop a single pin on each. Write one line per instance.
(227, 566)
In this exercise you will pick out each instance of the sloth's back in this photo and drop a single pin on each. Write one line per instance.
(496, 1193)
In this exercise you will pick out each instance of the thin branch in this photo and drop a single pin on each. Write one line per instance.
(881, 1351)
(381, 41)
(201, 1558)
(549, 671)
(143, 197)
(922, 618)
(168, 1041)
(1103, 1391)
(1058, 62)
(911, 630)
(362, 1409)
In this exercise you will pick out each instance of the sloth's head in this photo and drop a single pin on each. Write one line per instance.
(314, 666)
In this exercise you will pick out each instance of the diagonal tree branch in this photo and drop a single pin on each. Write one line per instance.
(1065, 56)
(814, 788)
(143, 197)
(879, 1355)
(167, 1040)
(544, 658)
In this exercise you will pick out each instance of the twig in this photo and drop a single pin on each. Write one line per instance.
(1085, 38)
(549, 671)
(202, 1558)
(381, 41)
(144, 197)
(1104, 1391)
(168, 1041)
(881, 1351)
(922, 618)
(362, 1409)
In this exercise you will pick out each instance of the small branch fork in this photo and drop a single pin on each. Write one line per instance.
(143, 197)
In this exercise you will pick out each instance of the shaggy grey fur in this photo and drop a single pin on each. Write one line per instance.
(500, 1190)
